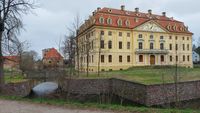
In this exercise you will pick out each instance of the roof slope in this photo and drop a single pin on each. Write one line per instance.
(169, 24)
(52, 53)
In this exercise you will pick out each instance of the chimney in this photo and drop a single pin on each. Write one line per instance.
(98, 8)
(150, 11)
(164, 14)
(122, 7)
(137, 10)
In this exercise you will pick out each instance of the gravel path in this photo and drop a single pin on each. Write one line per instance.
(26, 107)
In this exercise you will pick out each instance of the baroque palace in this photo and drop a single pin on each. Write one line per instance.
(116, 39)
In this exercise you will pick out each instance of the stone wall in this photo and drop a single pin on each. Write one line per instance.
(161, 94)
(143, 94)
(135, 92)
(47, 74)
(21, 89)
(86, 86)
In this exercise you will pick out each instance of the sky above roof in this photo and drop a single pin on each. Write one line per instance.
(46, 27)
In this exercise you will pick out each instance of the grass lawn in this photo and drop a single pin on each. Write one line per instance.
(150, 75)
(13, 77)
(96, 106)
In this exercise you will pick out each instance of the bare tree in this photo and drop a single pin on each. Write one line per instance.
(69, 51)
(10, 25)
(88, 51)
(99, 60)
(73, 30)
(27, 60)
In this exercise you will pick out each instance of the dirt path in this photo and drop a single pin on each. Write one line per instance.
(25, 107)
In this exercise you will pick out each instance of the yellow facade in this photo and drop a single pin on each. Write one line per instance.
(144, 34)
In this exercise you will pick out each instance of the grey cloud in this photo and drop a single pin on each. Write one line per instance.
(45, 28)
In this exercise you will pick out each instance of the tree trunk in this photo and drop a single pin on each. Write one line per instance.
(77, 55)
(1, 62)
(87, 64)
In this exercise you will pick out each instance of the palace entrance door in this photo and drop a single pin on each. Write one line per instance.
(152, 59)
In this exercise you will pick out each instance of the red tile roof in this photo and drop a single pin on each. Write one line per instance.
(169, 24)
(12, 58)
(52, 53)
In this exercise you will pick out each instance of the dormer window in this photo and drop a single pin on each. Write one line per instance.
(136, 19)
(127, 23)
(181, 28)
(119, 22)
(174, 27)
(101, 20)
(157, 17)
(109, 21)
(168, 27)
(128, 13)
(110, 10)
(138, 14)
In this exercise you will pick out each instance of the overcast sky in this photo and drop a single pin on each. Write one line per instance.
(48, 25)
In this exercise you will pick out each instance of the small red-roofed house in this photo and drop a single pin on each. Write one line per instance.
(52, 58)
(11, 62)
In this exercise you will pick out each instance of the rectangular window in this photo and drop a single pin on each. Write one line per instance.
(120, 45)
(109, 33)
(176, 38)
(151, 37)
(102, 58)
(187, 38)
(151, 45)
(177, 58)
(128, 34)
(183, 47)
(188, 58)
(176, 47)
(188, 47)
(120, 58)
(170, 46)
(128, 58)
(128, 45)
(170, 37)
(170, 58)
(161, 37)
(92, 44)
(140, 36)
(102, 32)
(102, 44)
(110, 44)
(92, 58)
(161, 46)
(120, 33)
(183, 58)
(140, 45)
(110, 58)
(183, 38)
